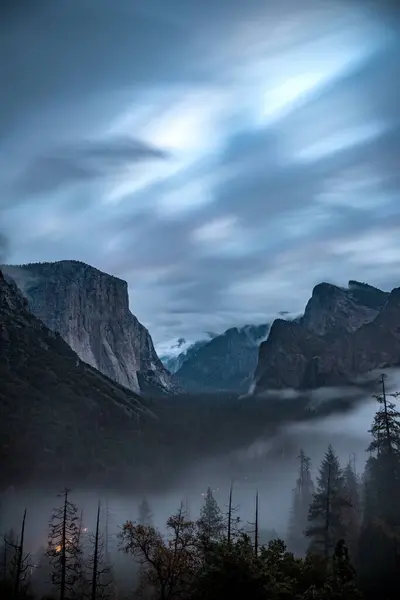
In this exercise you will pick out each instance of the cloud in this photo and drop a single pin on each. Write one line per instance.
(267, 162)
(82, 163)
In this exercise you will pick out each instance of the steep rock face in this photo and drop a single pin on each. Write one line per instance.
(227, 362)
(286, 338)
(294, 356)
(90, 310)
(340, 310)
(59, 416)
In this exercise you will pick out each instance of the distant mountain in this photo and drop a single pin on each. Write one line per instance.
(344, 333)
(90, 310)
(173, 362)
(59, 416)
(227, 362)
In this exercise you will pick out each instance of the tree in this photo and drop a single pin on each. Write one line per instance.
(385, 429)
(170, 561)
(145, 514)
(10, 541)
(16, 565)
(302, 498)
(353, 511)
(325, 516)
(100, 573)
(379, 543)
(63, 548)
(211, 522)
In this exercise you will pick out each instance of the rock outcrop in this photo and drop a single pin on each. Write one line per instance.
(90, 310)
(227, 362)
(344, 333)
(59, 416)
(340, 310)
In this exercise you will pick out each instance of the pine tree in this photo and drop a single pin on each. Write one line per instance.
(385, 429)
(325, 516)
(379, 545)
(145, 516)
(211, 521)
(63, 548)
(353, 512)
(302, 498)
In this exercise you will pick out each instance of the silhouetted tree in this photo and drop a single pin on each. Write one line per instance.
(100, 583)
(325, 516)
(302, 498)
(145, 516)
(211, 522)
(63, 548)
(168, 562)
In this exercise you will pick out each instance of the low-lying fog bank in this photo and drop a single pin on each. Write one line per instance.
(268, 462)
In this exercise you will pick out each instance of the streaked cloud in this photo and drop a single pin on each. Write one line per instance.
(223, 157)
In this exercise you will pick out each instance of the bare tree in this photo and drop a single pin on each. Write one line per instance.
(100, 572)
(64, 549)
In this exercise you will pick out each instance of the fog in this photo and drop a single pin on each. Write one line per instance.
(268, 464)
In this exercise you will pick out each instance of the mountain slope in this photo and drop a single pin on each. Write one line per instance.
(227, 362)
(59, 416)
(173, 362)
(90, 310)
(343, 334)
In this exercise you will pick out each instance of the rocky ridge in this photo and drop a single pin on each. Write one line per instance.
(90, 310)
(344, 333)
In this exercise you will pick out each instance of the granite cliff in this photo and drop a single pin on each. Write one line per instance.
(59, 416)
(344, 333)
(227, 362)
(90, 310)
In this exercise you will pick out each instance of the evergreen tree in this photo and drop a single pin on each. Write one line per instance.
(353, 512)
(211, 521)
(145, 516)
(302, 498)
(64, 550)
(325, 517)
(379, 543)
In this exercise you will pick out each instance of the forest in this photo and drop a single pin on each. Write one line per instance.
(342, 542)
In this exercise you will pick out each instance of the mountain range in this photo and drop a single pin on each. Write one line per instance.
(343, 333)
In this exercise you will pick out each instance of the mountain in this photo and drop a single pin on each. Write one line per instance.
(344, 333)
(227, 362)
(335, 309)
(90, 310)
(173, 362)
(59, 416)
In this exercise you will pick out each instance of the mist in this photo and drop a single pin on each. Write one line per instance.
(267, 462)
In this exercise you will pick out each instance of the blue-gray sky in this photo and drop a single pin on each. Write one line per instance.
(222, 156)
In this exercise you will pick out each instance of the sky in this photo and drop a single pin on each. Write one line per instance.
(221, 156)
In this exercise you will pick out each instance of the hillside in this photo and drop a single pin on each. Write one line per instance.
(59, 416)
